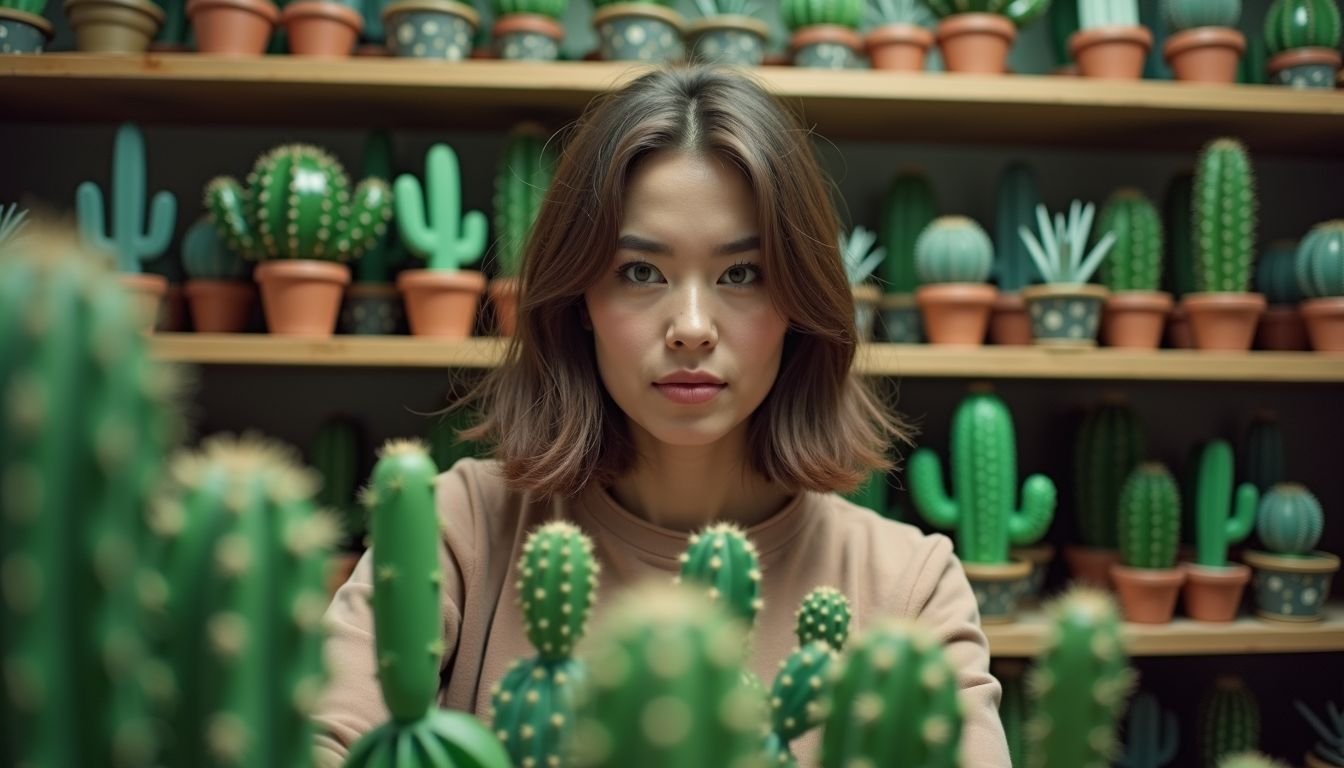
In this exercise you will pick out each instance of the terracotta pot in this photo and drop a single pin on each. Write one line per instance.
(232, 27)
(1325, 323)
(1135, 319)
(1116, 53)
(1092, 565)
(23, 32)
(321, 28)
(220, 306)
(1214, 594)
(976, 43)
(301, 297)
(1009, 324)
(114, 26)
(956, 313)
(826, 46)
(899, 47)
(1224, 322)
(527, 37)
(1281, 329)
(1205, 54)
(728, 39)
(1305, 68)
(1147, 596)
(997, 588)
(1179, 335)
(503, 292)
(441, 304)
(147, 294)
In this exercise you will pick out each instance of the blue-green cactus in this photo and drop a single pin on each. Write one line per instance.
(909, 206)
(953, 249)
(1152, 734)
(1289, 520)
(1320, 261)
(1276, 274)
(130, 239)
(445, 238)
(205, 255)
(1018, 197)
(1191, 14)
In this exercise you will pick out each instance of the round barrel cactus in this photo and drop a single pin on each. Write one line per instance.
(798, 14)
(909, 207)
(1229, 721)
(1224, 218)
(1320, 260)
(1276, 274)
(953, 249)
(533, 706)
(721, 558)
(521, 183)
(1150, 518)
(1191, 14)
(1289, 520)
(824, 615)
(206, 257)
(1291, 24)
(1135, 263)
(1110, 444)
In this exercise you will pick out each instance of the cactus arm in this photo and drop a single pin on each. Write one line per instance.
(409, 198)
(1038, 509)
(1215, 530)
(1241, 523)
(89, 214)
(369, 212)
(438, 240)
(162, 222)
(928, 492)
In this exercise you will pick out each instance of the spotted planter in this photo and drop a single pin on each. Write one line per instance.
(371, 309)
(998, 589)
(1039, 557)
(1305, 68)
(527, 37)
(639, 32)
(901, 320)
(826, 46)
(1065, 315)
(866, 297)
(430, 29)
(23, 32)
(728, 40)
(1291, 588)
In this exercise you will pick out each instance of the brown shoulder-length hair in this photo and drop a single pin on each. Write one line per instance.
(544, 411)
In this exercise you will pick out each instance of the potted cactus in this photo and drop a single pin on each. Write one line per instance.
(1229, 721)
(233, 27)
(1262, 459)
(1013, 266)
(114, 26)
(1136, 311)
(1109, 446)
(441, 301)
(1179, 277)
(728, 32)
(638, 30)
(129, 239)
(430, 29)
(953, 257)
(306, 191)
(1281, 327)
(1329, 751)
(1291, 580)
(1066, 310)
(984, 513)
(25, 29)
(1205, 45)
(909, 207)
(1223, 314)
(1110, 43)
(1147, 580)
(899, 39)
(219, 285)
(1152, 734)
(529, 30)
(824, 34)
(1320, 275)
(328, 28)
(1213, 587)
(861, 258)
(976, 35)
(372, 304)
(1303, 41)
(521, 183)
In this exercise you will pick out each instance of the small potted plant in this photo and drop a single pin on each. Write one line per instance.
(1147, 580)
(441, 301)
(521, 183)
(1066, 310)
(1303, 41)
(1013, 267)
(638, 30)
(233, 27)
(1109, 446)
(1320, 274)
(1329, 751)
(861, 258)
(1281, 326)
(953, 257)
(1291, 580)
(219, 285)
(1136, 311)
(908, 209)
(976, 35)
(900, 38)
(1213, 587)
(728, 32)
(23, 28)
(1229, 720)
(114, 26)
(824, 33)
(529, 30)
(1205, 45)
(430, 29)
(1110, 43)
(321, 27)
(372, 304)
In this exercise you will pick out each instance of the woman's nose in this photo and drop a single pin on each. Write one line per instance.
(692, 323)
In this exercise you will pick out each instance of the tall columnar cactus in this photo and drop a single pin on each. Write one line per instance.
(521, 184)
(335, 455)
(893, 702)
(1320, 261)
(1289, 520)
(131, 240)
(909, 207)
(376, 264)
(1063, 23)
(984, 458)
(1108, 13)
(1152, 734)
(667, 686)
(953, 249)
(1179, 225)
(1276, 274)
(533, 707)
(297, 205)
(1020, 12)
(798, 14)
(445, 238)
(1263, 454)
(1229, 721)
(1224, 218)
(243, 567)
(1292, 24)
(1190, 14)
(1150, 518)
(1135, 263)
(85, 423)
(797, 697)
(1018, 197)
(1110, 444)
(824, 615)
(1079, 684)
(1214, 530)
(722, 559)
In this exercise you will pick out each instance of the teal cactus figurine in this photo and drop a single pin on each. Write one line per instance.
(1152, 734)
(335, 456)
(1302, 38)
(1135, 263)
(1292, 580)
(1150, 518)
(1331, 745)
(798, 695)
(521, 184)
(445, 238)
(130, 239)
(953, 249)
(1192, 14)
(724, 560)
(1263, 453)
(1320, 261)
(1110, 445)
(1229, 721)
(1276, 274)
(1018, 197)
(206, 257)
(909, 206)
(893, 702)
(1215, 530)
(1289, 519)
(1224, 218)
(824, 615)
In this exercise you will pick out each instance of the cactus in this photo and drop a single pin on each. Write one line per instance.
(1249, 760)
(1110, 444)
(1135, 263)
(721, 558)
(1079, 684)
(712, 8)
(953, 249)
(1320, 261)
(1292, 24)
(1229, 721)
(12, 222)
(445, 447)
(1276, 274)
(554, 9)
(436, 238)
(858, 254)
(1262, 458)
(797, 698)
(1108, 13)
(206, 257)
(1150, 518)
(379, 260)
(1059, 253)
(1214, 530)
(984, 472)
(908, 208)
(1063, 23)
(1152, 734)
(912, 12)
(1013, 708)
(335, 455)
(1017, 201)
(824, 615)
(667, 686)
(1289, 520)
(521, 184)
(297, 205)
(798, 14)
(1020, 12)
(1191, 14)
(893, 702)
(128, 240)
(1224, 218)
(1331, 746)
(1178, 223)
(35, 7)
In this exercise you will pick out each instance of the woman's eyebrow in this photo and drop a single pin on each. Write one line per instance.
(645, 245)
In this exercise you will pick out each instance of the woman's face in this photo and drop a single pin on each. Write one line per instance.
(686, 291)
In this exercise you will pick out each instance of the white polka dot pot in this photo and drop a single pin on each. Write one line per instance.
(1067, 315)
(638, 32)
(826, 56)
(23, 32)
(527, 46)
(1306, 76)
(998, 588)
(430, 29)
(1291, 588)
(902, 322)
(731, 44)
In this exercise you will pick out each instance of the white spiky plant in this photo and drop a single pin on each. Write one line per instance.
(861, 258)
(12, 222)
(1108, 13)
(1059, 253)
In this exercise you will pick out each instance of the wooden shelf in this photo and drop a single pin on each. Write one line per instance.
(1184, 637)
(875, 359)
(492, 95)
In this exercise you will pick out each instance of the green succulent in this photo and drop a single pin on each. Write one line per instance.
(1331, 744)
(1214, 501)
(1017, 201)
(824, 615)
(445, 238)
(1192, 14)
(1224, 218)
(521, 184)
(798, 14)
(205, 255)
(555, 9)
(1289, 520)
(1229, 721)
(859, 255)
(12, 222)
(912, 12)
(1150, 518)
(1135, 263)
(1093, 14)
(909, 207)
(1293, 24)
(1110, 445)
(1320, 261)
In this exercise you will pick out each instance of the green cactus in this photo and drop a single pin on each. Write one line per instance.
(206, 257)
(297, 205)
(797, 698)
(1229, 721)
(1079, 684)
(893, 702)
(445, 447)
(1110, 444)
(440, 739)
(1017, 201)
(1150, 518)
(446, 239)
(1191, 14)
(521, 184)
(554, 9)
(1254, 66)
(532, 709)
(824, 615)
(1020, 12)
(1152, 734)
(667, 686)
(908, 208)
(798, 14)
(174, 29)
(335, 455)
(1276, 274)
(1320, 261)
(1289, 520)
(1262, 457)
(128, 240)
(1178, 223)
(953, 249)
(984, 472)
(1224, 218)
(912, 12)
(1249, 760)
(379, 260)
(1107, 13)
(1293, 24)
(1013, 708)
(722, 558)
(35, 7)
(1214, 530)
(1064, 23)
(1135, 263)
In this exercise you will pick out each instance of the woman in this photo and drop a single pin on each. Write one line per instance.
(683, 357)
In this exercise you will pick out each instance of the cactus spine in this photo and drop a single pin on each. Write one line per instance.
(953, 249)
(1191, 14)
(127, 240)
(1108, 13)
(1150, 518)
(824, 615)
(909, 207)
(206, 257)
(521, 184)
(1214, 530)
(1152, 734)
(1177, 207)
(1135, 263)
(798, 14)
(1020, 12)
(1110, 444)
(445, 238)
(1320, 261)
(1229, 721)
(1224, 218)
(1263, 459)
(335, 454)
(1289, 520)
(1017, 201)
(1292, 24)
(1276, 274)
(722, 559)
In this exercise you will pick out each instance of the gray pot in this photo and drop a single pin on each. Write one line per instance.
(1306, 76)
(826, 56)
(23, 32)
(1065, 314)
(372, 309)
(430, 29)
(902, 322)
(528, 37)
(728, 40)
(638, 32)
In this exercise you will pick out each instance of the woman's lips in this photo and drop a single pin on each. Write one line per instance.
(690, 394)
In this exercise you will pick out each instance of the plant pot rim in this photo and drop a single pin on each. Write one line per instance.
(1232, 573)
(1326, 305)
(1314, 562)
(323, 9)
(1086, 38)
(264, 8)
(971, 23)
(462, 279)
(1064, 291)
(146, 7)
(1222, 300)
(728, 21)
(512, 23)
(648, 10)
(897, 301)
(1140, 300)
(898, 33)
(965, 292)
(826, 33)
(1010, 301)
(143, 281)
(1297, 57)
(1153, 577)
(196, 286)
(302, 269)
(31, 19)
(1201, 37)
(1013, 571)
(451, 7)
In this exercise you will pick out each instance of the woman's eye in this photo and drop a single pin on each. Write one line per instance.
(640, 273)
(742, 274)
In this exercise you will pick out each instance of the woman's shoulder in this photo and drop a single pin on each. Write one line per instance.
(846, 520)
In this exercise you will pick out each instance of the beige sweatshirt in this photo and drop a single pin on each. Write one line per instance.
(885, 568)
